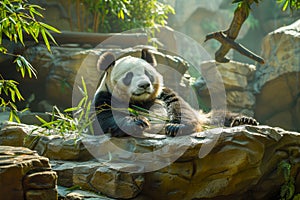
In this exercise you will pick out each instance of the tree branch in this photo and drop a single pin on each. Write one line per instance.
(226, 38)
(231, 44)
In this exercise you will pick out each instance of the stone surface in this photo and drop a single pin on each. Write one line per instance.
(277, 82)
(77, 194)
(98, 177)
(23, 173)
(117, 184)
(40, 180)
(47, 194)
(53, 146)
(31, 119)
(235, 77)
(13, 134)
(228, 163)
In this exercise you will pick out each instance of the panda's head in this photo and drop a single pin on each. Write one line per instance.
(131, 79)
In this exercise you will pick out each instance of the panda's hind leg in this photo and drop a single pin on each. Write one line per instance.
(243, 120)
(233, 119)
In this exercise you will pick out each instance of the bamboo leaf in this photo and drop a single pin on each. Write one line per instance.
(20, 34)
(11, 116)
(84, 86)
(45, 39)
(51, 28)
(285, 5)
(41, 119)
(51, 37)
(12, 94)
(15, 116)
(71, 109)
(34, 12)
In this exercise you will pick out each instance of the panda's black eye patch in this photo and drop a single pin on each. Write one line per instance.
(127, 79)
(149, 76)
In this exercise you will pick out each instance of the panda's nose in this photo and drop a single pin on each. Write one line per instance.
(144, 85)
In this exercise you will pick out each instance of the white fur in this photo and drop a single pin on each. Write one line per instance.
(137, 66)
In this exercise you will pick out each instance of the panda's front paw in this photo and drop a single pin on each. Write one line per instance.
(142, 122)
(243, 120)
(133, 126)
(173, 129)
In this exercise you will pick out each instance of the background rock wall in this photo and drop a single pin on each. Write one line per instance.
(277, 82)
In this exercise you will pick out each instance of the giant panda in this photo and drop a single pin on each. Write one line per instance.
(132, 82)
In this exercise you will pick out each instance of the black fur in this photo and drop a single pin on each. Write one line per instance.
(148, 56)
(128, 78)
(106, 61)
(118, 123)
(121, 123)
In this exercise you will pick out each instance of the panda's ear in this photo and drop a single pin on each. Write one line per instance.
(148, 56)
(106, 61)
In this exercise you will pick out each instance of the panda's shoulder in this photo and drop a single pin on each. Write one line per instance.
(101, 97)
(166, 90)
(102, 94)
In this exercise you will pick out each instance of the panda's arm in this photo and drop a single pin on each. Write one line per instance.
(172, 103)
(182, 118)
(102, 102)
(116, 122)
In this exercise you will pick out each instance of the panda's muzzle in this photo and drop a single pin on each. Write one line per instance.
(144, 85)
(143, 88)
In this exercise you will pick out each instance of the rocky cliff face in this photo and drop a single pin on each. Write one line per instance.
(237, 79)
(277, 82)
(229, 163)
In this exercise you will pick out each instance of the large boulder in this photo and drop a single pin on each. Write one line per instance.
(25, 175)
(277, 82)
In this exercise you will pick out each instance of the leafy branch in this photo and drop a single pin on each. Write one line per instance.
(17, 17)
(118, 15)
(292, 4)
(76, 120)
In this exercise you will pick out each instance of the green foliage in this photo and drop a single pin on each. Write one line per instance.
(292, 4)
(10, 89)
(245, 1)
(75, 120)
(120, 15)
(287, 190)
(17, 18)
